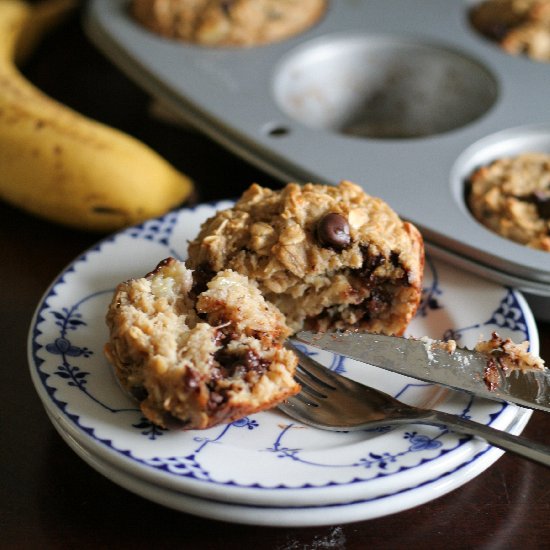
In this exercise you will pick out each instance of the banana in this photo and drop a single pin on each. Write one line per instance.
(60, 165)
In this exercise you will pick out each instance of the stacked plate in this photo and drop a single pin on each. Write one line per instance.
(264, 469)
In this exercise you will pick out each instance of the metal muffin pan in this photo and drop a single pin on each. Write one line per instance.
(402, 97)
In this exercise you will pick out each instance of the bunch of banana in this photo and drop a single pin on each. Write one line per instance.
(60, 165)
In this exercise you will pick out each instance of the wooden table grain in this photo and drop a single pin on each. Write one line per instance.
(50, 498)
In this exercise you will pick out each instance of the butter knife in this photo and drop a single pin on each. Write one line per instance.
(432, 361)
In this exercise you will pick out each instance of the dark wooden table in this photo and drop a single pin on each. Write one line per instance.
(50, 498)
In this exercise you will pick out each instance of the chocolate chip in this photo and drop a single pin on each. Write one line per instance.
(173, 422)
(254, 363)
(542, 202)
(394, 258)
(378, 301)
(370, 263)
(201, 277)
(225, 358)
(496, 31)
(233, 364)
(160, 265)
(226, 6)
(333, 231)
(139, 393)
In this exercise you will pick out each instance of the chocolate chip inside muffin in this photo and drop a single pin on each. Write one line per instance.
(329, 257)
(192, 363)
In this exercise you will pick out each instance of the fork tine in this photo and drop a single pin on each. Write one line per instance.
(302, 412)
(303, 398)
(310, 385)
(314, 370)
(329, 400)
(329, 379)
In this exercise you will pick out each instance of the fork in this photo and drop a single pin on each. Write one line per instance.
(330, 401)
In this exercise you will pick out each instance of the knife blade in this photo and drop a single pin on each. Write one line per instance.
(431, 361)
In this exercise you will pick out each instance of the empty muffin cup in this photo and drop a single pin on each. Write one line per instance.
(382, 87)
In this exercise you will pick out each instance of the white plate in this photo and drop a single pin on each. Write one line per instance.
(281, 516)
(264, 460)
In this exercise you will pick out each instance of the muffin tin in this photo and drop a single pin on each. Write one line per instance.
(404, 98)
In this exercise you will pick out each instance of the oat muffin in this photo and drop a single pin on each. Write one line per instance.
(329, 257)
(193, 362)
(520, 27)
(227, 22)
(511, 196)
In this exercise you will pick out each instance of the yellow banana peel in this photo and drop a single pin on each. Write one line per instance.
(61, 165)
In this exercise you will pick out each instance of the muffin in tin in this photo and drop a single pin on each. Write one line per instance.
(227, 22)
(195, 361)
(520, 27)
(511, 196)
(329, 257)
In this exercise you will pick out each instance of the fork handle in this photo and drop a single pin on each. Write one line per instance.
(531, 450)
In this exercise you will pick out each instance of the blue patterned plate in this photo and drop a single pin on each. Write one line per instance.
(278, 516)
(265, 460)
